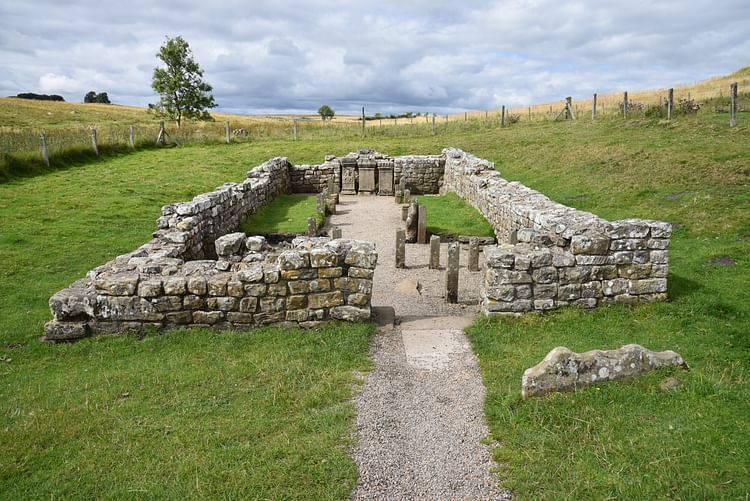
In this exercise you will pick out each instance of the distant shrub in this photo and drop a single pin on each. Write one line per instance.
(512, 119)
(40, 97)
(656, 111)
(93, 97)
(633, 107)
(687, 107)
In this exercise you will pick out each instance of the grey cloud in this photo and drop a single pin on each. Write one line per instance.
(394, 56)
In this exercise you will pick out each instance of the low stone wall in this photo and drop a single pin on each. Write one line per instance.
(193, 226)
(552, 255)
(250, 285)
(314, 178)
(420, 174)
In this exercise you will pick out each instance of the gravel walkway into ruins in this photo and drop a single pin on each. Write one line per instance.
(420, 419)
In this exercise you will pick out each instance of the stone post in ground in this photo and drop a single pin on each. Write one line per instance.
(312, 227)
(473, 254)
(407, 196)
(400, 249)
(411, 223)
(451, 273)
(320, 200)
(422, 225)
(404, 212)
(336, 233)
(434, 252)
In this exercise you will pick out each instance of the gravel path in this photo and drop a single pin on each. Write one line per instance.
(420, 419)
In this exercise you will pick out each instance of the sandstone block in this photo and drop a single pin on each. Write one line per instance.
(337, 272)
(255, 243)
(545, 275)
(545, 291)
(193, 302)
(256, 289)
(325, 300)
(659, 257)
(357, 299)
(544, 304)
(248, 304)
(524, 292)
(297, 316)
(636, 271)
(179, 317)
(362, 255)
(294, 260)
(238, 317)
(495, 276)
(235, 288)
(563, 259)
(167, 303)
(323, 258)
(591, 243)
(117, 284)
(230, 244)
(253, 273)
(279, 289)
(175, 286)
(350, 313)
(648, 286)
(499, 257)
(541, 258)
(208, 317)
(65, 331)
(569, 292)
(564, 370)
(296, 302)
(197, 285)
(272, 304)
(630, 228)
(501, 293)
(614, 287)
(586, 260)
(222, 303)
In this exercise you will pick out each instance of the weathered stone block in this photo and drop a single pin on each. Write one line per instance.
(495, 276)
(325, 300)
(541, 258)
(256, 289)
(167, 303)
(179, 317)
(230, 244)
(636, 271)
(294, 260)
(272, 304)
(323, 258)
(117, 284)
(563, 259)
(279, 289)
(544, 304)
(270, 276)
(197, 285)
(360, 285)
(614, 287)
(266, 318)
(658, 243)
(296, 302)
(591, 290)
(217, 284)
(301, 274)
(545, 275)
(235, 288)
(659, 257)
(628, 245)
(208, 317)
(297, 316)
(362, 255)
(586, 260)
(175, 286)
(255, 243)
(253, 273)
(193, 302)
(238, 317)
(630, 228)
(499, 257)
(648, 286)
(222, 303)
(248, 304)
(589, 243)
(299, 287)
(564, 370)
(350, 313)
(357, 299)
(501, 293)
(65, 331)
(545, 291)
(524, 292)
(336, 272)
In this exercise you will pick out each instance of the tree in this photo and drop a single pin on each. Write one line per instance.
(90, 97)
(183, 92)
(325, 112)
(103, 98)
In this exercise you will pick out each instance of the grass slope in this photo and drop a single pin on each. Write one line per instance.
(623, 440)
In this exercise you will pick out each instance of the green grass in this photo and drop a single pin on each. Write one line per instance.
(450, 215)
(287, 214)
(184, 429)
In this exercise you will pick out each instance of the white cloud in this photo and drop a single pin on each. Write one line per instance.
(391, 56)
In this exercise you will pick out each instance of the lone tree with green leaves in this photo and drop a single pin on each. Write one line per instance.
(325, 112)
(183, 92)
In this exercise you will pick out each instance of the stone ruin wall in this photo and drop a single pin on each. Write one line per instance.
(169, 282)
(551, 255)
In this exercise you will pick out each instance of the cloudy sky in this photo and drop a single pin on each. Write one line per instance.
(390, 56)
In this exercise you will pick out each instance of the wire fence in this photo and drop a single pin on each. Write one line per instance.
(47, 145)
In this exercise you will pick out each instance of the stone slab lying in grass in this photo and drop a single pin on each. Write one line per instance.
(565, 370)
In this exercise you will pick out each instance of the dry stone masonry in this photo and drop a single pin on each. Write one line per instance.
(551, 255)
(199, 271)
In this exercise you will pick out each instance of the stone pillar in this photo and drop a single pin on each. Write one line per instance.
(400, 249)
(312, 227)
(434, 252)
(348, 176)
(422, 225)
(407, 196)
(411, 224)
(385, 178)
(367, 176)
(336, 232)
(320, 200)
(473, 254)
(451, 273)
(404, 212)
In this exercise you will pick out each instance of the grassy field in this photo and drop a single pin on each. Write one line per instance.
(450, 215)
(285, 215)
(196, 414)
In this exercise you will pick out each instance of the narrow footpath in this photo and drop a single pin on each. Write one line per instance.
(420, 419)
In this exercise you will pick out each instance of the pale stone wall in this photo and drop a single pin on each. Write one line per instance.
(552, 255)
(420, 174)
(314, 178)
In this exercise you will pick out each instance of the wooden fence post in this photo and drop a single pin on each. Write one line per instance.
(294, 128)
(569, 107)
(529, 113)
(45, 151)
(466, 116)
(93, 141)
(502, 117)
(363, 122)
(226, 131)
(593, 107)
(625, 105)
(160, 136)
(433, 124)
(733, 105)
(670, 103)
(131, 137)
